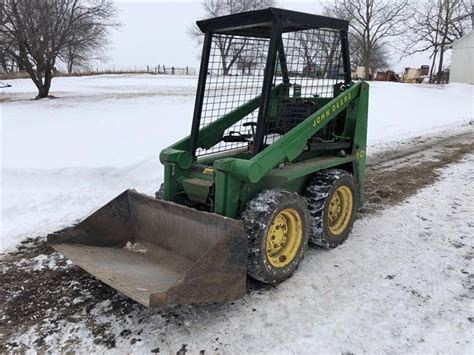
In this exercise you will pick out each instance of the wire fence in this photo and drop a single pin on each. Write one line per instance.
(14, 72)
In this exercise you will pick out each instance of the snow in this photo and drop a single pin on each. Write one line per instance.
(400, 284)
(400, 111)
(63, 158)
(40, 262)
(96, 122)
(135, 247)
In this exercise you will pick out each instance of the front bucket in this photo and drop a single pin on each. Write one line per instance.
(158, 252)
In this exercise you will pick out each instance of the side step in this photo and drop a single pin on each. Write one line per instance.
(158, 252)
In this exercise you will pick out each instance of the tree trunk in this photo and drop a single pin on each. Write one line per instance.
(42, 92)
(44, 85)
(329, 61)
(70, 61)
(436, 45)
(442, 48)
(70, 66)
(367, 39)
(439, 75)
(367, 66)
(225, 69)
(433, 64)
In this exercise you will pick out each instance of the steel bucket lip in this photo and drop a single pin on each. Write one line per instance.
(217, 264)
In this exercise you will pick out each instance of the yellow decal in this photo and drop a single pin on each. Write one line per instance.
(360, 154)
(326, 114)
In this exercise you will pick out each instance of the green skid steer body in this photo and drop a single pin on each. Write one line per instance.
(275, 159)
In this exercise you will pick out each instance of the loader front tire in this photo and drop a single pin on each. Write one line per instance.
(331, 196)
(277, 223)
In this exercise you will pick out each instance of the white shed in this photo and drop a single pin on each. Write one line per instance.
(462, 60)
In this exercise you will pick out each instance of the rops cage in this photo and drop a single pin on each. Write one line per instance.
(281, 65)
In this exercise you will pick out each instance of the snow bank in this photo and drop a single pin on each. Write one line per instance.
(62, 158)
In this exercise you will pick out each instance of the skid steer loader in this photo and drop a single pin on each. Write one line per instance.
(275, 159)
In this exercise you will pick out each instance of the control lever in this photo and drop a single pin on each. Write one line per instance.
(252, 125)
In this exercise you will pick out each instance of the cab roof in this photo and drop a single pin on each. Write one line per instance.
(259, 23)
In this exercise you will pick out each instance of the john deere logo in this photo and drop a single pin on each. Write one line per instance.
(335, 107)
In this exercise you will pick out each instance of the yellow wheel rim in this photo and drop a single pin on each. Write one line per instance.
(284, 237)
(340, 210)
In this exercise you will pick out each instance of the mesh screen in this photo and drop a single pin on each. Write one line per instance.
(235, 76)
(314, 65)
(314, 60)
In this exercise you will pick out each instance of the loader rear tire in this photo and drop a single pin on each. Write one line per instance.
(277, 223)
(332, 197)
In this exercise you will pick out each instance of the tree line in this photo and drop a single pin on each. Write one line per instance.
(378, 31)
(36, 35)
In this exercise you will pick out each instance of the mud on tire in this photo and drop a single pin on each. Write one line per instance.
(257, 218)
(318, 194)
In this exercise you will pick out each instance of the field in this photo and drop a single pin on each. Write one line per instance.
(401, 284)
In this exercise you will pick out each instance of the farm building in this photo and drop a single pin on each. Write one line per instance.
(462, 60)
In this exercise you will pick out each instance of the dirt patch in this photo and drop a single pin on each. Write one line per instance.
(392, 178)
(41, 290)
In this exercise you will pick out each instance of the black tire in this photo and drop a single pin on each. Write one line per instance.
(318, 195)
(160, 194)
(258, 217)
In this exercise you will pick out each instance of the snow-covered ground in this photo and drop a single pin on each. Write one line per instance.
(401, 284)
(63, 158)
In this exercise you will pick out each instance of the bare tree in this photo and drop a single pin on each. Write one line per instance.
(3, 57)
(250, 57)
(435, 25)
(318, 51)
(3, 54)
(37, 33)
(86, 47)
(230, 48)
(374, 26)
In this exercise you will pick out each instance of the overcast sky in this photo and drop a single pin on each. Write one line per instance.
(155, 32)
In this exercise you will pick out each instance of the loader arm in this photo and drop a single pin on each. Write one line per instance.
(292, 144)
